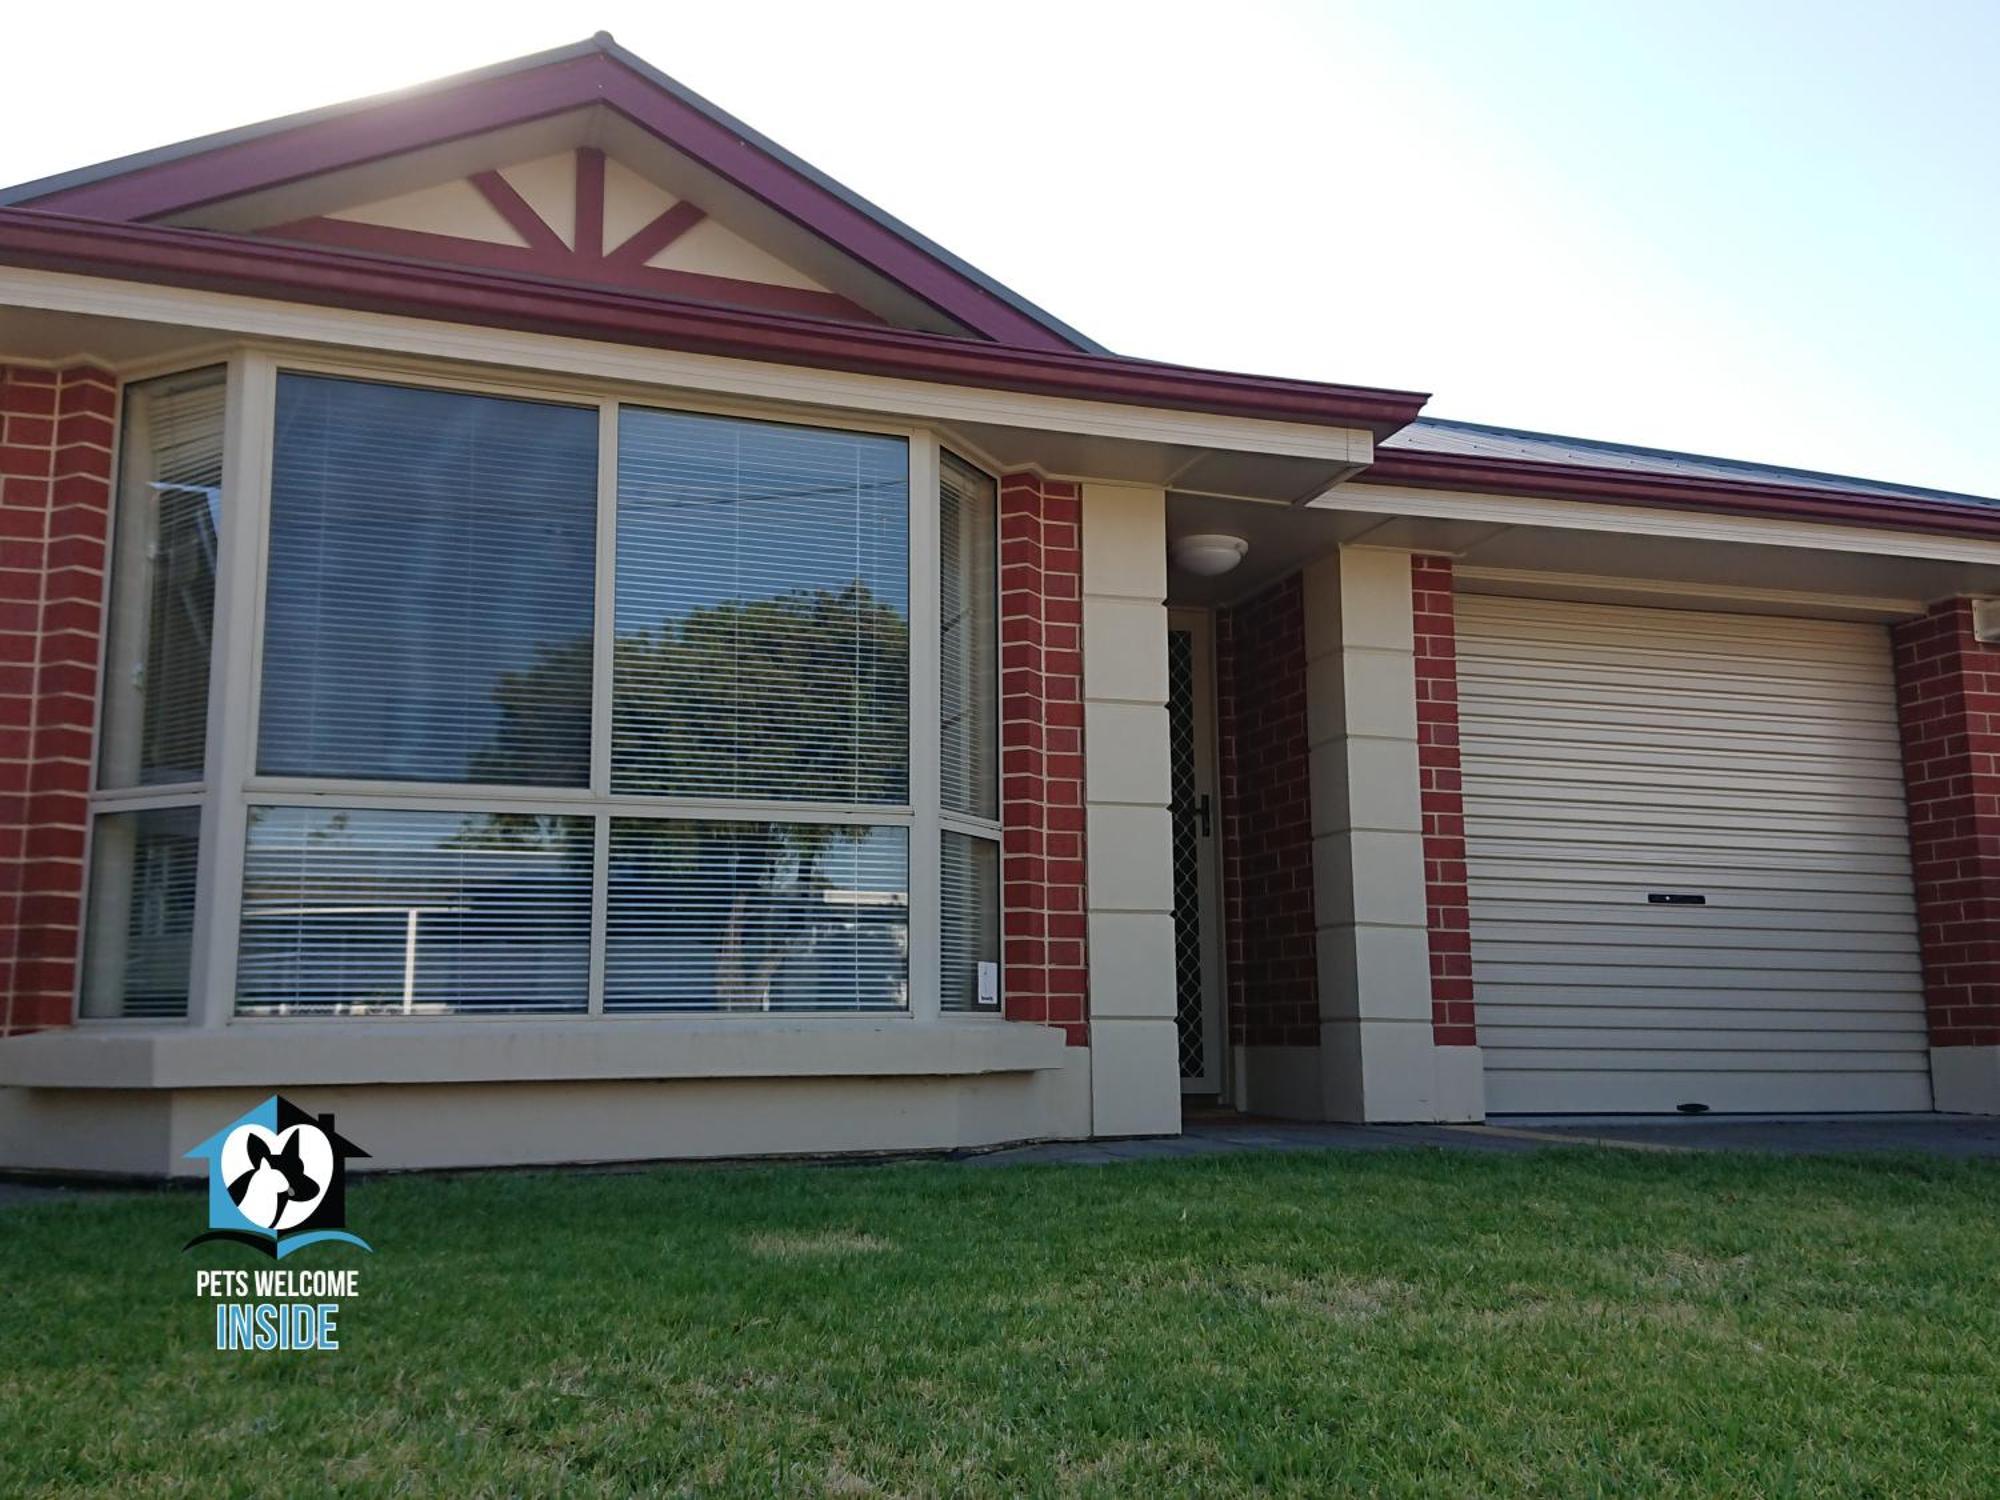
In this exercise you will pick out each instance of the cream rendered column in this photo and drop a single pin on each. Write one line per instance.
(1134, 1047)
(1377, 1059)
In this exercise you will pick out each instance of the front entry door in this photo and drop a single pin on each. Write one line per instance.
(1197, 821)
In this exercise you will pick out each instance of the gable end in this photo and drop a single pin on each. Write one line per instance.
(185, 184)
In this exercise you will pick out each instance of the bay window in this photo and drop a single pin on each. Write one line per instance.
(542, 705)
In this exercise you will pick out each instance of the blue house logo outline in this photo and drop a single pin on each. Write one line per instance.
(275, 1135)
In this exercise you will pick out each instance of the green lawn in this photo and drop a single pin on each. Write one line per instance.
(1420, 1323)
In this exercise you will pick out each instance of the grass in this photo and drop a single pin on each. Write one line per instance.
(1404, 1323)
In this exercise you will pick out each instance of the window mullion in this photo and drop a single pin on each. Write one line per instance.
(600, 899)
(604, 638)
(605, 624)
(926, 789)
(246, 474)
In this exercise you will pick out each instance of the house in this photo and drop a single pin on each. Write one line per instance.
(536, 619)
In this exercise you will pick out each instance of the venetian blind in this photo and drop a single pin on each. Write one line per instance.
(430, 584)
(162, 604)
(969, 921)
(762, 611)
(756, 916)
(371, 912)
(140, 936)
(969, 698)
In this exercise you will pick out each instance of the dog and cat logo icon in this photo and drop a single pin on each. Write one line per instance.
(277, 1180)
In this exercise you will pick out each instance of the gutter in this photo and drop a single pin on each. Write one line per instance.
(253, 267)
(1512, 476)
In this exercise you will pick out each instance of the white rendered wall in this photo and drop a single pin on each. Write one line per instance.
(1135, 1053)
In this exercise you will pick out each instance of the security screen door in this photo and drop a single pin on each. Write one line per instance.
(1197, 822)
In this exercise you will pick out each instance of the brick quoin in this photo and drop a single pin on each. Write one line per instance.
(1948, 702)
(56, 431)
(1441, 787)
(1266, 781)
(1045, 972)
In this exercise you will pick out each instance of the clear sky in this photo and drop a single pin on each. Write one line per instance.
(1768, 229)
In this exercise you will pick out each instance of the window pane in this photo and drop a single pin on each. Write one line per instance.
(429, 599)
(140, 926)
(969, 915)
(414, 913)
(757, 916)
(968, 502)
(169, 517)
(763, 611)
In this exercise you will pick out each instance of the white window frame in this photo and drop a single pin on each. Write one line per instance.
(232, 785)
(972, 826)
(102, 800)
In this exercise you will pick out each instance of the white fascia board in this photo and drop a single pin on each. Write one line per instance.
(384, 333)
(1646, 520)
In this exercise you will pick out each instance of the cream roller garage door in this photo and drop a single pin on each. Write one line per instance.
(1689, 861)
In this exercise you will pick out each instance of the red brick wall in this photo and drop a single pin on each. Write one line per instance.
(1948, 699)
(55, 496)
(1044, 976)
(1452, 1023)
(1266, 781)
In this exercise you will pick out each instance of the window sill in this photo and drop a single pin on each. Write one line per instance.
(307, 1053)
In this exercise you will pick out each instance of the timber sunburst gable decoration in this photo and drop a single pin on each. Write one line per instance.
(577, 215)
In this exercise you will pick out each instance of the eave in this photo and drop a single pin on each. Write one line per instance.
(344, 279)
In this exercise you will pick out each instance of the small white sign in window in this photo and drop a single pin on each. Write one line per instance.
(989, 984)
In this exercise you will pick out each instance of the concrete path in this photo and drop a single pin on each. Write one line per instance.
(1217, 1137)
(1949, 1136)
(1957, 1137)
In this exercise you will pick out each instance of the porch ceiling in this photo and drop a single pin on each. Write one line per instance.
(1588, 552)
(1282, 538)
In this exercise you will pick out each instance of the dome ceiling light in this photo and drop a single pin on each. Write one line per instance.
(1208, 554)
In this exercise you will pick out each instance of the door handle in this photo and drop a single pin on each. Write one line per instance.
(1196, 808)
